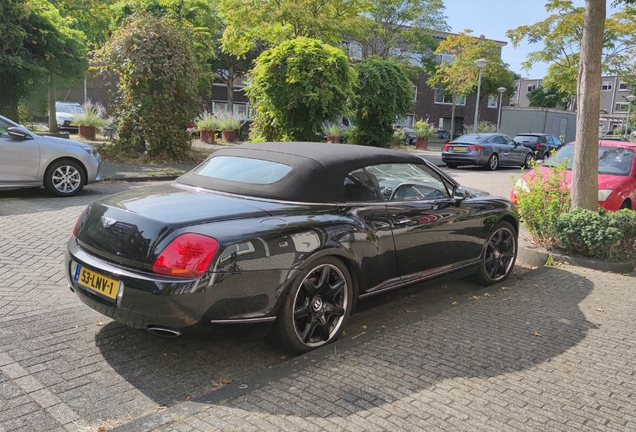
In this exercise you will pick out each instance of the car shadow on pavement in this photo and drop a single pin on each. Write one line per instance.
(421, 337)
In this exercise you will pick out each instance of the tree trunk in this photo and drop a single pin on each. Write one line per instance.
(588, 101)
(452, 127)
(52, 118)
(230, 88)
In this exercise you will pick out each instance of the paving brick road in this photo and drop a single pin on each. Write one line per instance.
(551, 349)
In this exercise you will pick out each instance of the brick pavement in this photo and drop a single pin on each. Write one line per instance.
(552, 351)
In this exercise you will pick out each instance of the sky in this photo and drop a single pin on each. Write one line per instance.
(493, 18)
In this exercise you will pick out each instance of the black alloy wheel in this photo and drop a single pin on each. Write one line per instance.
(627, 204)
(316, 308)
(499, 256)
(493, 162)
(527, 163)
(546, 155)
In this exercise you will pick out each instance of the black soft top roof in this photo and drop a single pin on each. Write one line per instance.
(317, 174)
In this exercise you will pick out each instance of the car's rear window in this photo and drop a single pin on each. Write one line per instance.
(243, 170)
(526, 139)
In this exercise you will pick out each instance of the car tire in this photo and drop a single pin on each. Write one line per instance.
(493, 162)
(627, 204)
(452, 165)
(64, 178)
(528, 161)
(499, 256)
(546, 155)
(316, 307)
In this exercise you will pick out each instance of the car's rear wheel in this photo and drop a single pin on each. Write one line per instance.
(527, 163)
(316, 307)
(493, 162)
(64, 178)
(546, 155)
(452, 165)
(500, 254)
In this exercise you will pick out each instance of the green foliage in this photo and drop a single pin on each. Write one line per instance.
(229, 121)
(91, 17)
(541, 199)
(482, 127)
(548, 97)
(36, 41)
(94, 115)
(251, 23)
(156, 97)
(384, 93)
(333, 130)
(625, 221)
(296, 87)
(424, 130)
(207, 122)
(588, 233)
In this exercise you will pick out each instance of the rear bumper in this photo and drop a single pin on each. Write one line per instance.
(464, 159)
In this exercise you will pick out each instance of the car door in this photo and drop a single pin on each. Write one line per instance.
(507, 155)
(432, 231)
(19, 158)
(518, 151)
(372, 244)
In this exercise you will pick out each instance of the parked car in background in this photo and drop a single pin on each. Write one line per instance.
(542, 145)
(65, 113)
(489, 150)
(283, 237)
(61, 165)
(616, 173)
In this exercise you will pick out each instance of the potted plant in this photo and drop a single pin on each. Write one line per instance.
(92, 117)
(207, 125)
(333, 132)
(229, 124)
(423, 131)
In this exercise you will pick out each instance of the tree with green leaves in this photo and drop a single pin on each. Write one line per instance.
(37, 43)
(297, 86)
(401, 28)
(267, 22)
(156, 65)
(384, 94)
(460, 77)
(561, 34)
(549, 97)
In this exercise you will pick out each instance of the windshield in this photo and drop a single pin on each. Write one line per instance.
(526, 139)
(611, 160)
(73, 109)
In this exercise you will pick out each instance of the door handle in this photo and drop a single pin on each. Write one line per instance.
(402, 220)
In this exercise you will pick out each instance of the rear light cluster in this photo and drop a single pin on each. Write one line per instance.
(77, 224)
(538, 146)
(187, 256)
(470, 147)
(447, 146)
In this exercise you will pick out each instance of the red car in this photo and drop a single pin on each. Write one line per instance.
(616, 173)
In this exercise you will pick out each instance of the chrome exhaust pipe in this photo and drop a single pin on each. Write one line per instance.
(163, 332)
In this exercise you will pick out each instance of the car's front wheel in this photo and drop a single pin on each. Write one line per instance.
(316, 308)
(64, 178)
(499, 256)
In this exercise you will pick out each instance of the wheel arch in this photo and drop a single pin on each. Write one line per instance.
(63, 158)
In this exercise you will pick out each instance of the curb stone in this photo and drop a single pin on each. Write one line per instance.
(537, 257)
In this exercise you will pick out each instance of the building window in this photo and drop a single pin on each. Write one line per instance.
(239, 109)
(531, 87)
(493, 101)
(621, 107)
(444, 58)
(622, 86)
(606, 86)
(442, 97)
(407, 121)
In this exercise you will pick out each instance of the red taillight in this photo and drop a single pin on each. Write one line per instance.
(475, 148)
(187, 256)
(538, 146)
(447, 146)
(78, 223)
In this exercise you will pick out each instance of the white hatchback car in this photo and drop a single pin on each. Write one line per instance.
(61, 165)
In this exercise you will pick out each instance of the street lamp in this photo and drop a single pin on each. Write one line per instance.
(501, 91)
(630, 99)
(481, 63)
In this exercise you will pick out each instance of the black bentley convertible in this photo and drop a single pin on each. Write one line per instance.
(283, 235)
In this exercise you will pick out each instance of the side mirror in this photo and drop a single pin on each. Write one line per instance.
(460, 193)
(18, 133)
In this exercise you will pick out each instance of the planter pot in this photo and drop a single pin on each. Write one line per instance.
(229, 136)
(207, 136)
(87, 132)
(333, 139)
(421, 143)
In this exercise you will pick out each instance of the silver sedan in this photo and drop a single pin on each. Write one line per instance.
(489, 150)
(62, 166)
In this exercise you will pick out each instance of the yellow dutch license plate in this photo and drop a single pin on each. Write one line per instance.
(459, 149)
(97, 282)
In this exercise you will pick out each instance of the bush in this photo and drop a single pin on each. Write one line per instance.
(333, 130)
(94, 115)
(228, 121)
(542, 199)
(588, 233)
(207, 122)
(482, 127)
(625, 221)
(424, 130)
